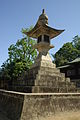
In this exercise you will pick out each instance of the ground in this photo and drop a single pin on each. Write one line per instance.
(64, 116)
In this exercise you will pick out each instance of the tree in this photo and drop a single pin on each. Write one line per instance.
(68, 52)
(76, 43)
(21, 56)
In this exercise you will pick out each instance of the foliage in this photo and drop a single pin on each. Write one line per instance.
(68, 52)
(21, 56)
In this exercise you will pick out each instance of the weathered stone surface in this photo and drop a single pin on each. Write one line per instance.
(44, 79)
(43, 60)
(39, 106)
(45, 106)
(11, 105)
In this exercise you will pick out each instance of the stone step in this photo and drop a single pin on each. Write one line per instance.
(54, 82)
(45, 82)
(50, 82)
(50, 73)
(42, 89)
(71, 84)
(30, 74)
(29, 82)
(26, 89)
(67, 79)
(59, 77)
(46, 72)
(56, 70)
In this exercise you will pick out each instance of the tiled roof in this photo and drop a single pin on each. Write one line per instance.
(64, 66)
(76, 60)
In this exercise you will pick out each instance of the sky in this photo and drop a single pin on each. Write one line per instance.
(18, 14)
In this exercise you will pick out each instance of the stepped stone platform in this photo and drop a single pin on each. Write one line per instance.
(44, 77)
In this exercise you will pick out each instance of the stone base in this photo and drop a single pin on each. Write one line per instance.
(44, 80)
(43, 60)
(43, 77)
(40, 106)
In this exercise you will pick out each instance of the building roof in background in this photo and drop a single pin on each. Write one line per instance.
(74, 61)
(63, 66)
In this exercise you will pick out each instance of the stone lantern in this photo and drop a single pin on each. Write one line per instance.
(43, 33)
(43, 76)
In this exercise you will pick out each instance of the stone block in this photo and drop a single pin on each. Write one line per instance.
(40, 106)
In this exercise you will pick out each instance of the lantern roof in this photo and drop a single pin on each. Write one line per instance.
(42, 28)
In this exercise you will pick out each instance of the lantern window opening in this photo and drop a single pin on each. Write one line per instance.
(46, 39)
(39, 39)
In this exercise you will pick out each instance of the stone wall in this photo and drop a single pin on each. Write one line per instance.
(45, 106)
(11, 104)
(40, 106)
